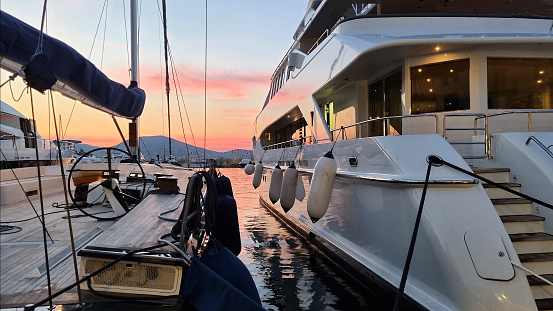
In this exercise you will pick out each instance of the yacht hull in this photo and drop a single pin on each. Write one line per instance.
(372, 211)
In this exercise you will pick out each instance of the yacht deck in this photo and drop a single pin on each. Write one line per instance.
(22, 252)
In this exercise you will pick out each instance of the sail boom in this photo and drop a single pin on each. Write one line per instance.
(77, 77)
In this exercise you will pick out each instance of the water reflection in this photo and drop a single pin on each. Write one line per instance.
(288, 272)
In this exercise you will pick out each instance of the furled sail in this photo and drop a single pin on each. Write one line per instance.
(77, 77)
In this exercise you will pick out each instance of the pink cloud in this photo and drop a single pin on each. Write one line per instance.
(239, 111)
(220, 84)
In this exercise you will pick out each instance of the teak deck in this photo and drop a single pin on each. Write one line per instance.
(141, 227)
(22, 253)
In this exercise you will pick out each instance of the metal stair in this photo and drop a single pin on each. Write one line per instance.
(533, 245)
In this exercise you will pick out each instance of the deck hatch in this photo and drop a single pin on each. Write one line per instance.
(489, 256)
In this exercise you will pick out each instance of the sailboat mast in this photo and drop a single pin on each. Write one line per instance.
(133, 126)
(167, 73)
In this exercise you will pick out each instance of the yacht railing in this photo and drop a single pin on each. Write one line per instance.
(323, 36)
(508, 112)
(309, 140)
(486, 128)
(540, 144)
(486, 141)
(46, 143)
(386, 122)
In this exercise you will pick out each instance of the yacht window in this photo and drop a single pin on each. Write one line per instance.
(10, 120)
(440, 87)
(520, 83)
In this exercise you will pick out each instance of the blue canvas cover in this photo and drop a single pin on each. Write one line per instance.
(207, 291)
(18, 43)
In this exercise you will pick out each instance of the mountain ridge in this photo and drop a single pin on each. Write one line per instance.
(153, 146)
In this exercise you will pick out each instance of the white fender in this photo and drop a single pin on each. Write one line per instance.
(300, 190)
(321, 187)
(257, 175)
(276, 184)
(249, 168)
(288, 190)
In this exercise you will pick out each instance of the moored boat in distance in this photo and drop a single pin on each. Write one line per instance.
(380, 88)
(18, 145)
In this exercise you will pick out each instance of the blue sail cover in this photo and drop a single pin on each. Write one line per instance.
(18, 43)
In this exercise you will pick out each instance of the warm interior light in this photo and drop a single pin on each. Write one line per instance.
(437, 48)
(431, 90)
(420, 70)
(540, 81)
(428, 80)
(450, 70)
(542, 72)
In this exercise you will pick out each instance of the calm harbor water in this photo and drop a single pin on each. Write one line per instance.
(288, 272)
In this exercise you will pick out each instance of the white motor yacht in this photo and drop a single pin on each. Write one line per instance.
(18, 144)
(384, 86)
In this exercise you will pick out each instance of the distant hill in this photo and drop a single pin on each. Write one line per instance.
(152, 146)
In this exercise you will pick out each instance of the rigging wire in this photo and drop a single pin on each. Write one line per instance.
(160, 35)
(205, 83)
(167, 88)
(178, 102)
(71, 235)
(97, 28)
(183, 103)
(41, 35)
(142, 140)
(127, 38)
(68, 121)
(41, 197)
(104, 38)
(22, 189)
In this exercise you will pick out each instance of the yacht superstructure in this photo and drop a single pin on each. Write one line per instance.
(386, 84)
(18, 145)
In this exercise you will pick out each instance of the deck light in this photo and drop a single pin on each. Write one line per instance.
(540, 81)
(437, 48)
(428, 80)
(431, 90)
(542, 72)
(420, 70)
(450, 70)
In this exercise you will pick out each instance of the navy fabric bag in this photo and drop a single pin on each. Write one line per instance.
(207, 291)
(224, 263)
(227, 228)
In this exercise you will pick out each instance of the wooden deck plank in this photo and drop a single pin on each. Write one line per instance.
(141, 227)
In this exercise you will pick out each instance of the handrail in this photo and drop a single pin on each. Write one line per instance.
(390, 118)
(437, 161)
(539, 143)
(487, 145)
(529, 112)
(293, 142)
(316, 44)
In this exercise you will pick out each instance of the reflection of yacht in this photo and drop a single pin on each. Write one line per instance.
(17, 141)
(376, 84)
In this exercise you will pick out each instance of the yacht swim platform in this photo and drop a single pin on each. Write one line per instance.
(22, 252)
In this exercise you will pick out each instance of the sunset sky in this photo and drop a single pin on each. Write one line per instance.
(246, 41)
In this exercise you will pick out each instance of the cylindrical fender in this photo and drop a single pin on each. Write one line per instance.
(288, 190)
(276, 184)
(257, 175)
(300, 189)
(321, 187)
(249, 168)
